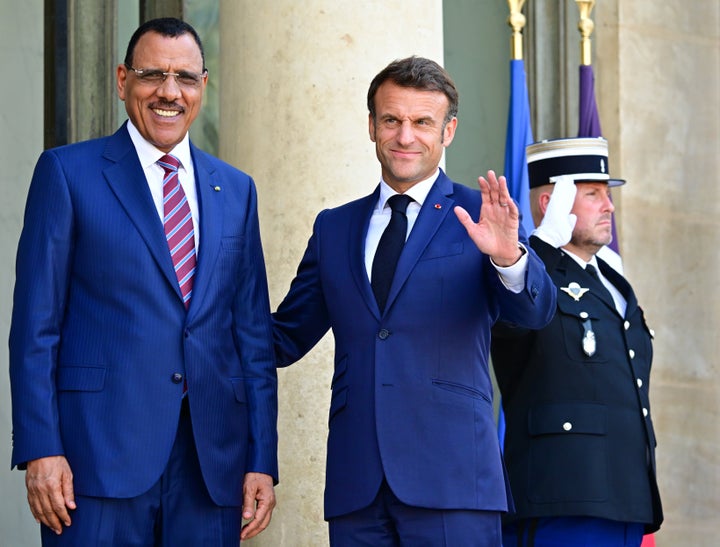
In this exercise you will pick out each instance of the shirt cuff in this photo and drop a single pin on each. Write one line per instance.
(513, 277)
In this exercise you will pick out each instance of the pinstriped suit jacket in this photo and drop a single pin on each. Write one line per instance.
(99, 330)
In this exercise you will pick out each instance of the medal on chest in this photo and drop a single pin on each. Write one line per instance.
(589, 343)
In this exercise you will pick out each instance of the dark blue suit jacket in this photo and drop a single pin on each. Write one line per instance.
(411, 393)
(99, 328)
(579, 435)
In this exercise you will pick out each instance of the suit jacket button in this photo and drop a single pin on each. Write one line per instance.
(383, 334)
(177, 378)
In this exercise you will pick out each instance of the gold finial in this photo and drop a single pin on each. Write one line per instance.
(516, 20)
(585, 26)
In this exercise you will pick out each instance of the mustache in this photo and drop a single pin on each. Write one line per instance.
(164, 105)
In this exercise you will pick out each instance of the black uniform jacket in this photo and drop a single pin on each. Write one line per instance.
(579, 437)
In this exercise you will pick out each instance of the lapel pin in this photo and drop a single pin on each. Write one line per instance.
(574, 290)
(438, 206)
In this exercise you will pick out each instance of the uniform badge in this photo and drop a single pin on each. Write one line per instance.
(575, 290)
(589, 345)
(588, 342)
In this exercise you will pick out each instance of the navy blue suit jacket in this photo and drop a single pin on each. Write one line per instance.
(579, 435)
(411, 392)
(99, 330)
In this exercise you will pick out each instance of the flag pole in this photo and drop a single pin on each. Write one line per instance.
(586, 27)
(516, 20)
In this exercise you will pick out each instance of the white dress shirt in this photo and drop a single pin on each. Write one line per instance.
(513, 277)
(154, 174)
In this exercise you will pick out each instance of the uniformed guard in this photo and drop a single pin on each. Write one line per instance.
(579, 443)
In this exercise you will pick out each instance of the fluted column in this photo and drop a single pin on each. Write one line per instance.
(294, 78)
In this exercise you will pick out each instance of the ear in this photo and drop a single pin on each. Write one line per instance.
(543, 200)
(371, 127)
(449, 132)
(121, 79)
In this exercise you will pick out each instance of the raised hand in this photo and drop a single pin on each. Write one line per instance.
(496, 232)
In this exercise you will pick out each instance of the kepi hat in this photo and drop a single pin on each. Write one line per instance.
(585, 159)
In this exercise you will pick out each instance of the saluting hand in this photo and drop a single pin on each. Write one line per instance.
(557, 225)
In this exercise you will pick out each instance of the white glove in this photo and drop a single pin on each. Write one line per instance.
(558, 223)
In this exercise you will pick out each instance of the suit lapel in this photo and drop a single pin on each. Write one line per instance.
(434, 210)
(210, 205)
(127, 181)
(621, 284)
(356, 247)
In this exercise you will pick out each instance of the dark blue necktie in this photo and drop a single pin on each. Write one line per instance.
(389, 248)
(594, 273)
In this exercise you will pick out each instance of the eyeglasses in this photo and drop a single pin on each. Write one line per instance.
(155, 77)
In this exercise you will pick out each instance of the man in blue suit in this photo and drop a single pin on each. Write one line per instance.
(143, 378)
(413, 456)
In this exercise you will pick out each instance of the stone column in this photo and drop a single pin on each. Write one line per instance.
(658, 89)
(294, 78)
(21, 139)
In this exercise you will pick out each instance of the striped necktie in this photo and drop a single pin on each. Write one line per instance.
(178, 227)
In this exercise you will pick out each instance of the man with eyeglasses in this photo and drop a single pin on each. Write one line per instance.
(142, 368)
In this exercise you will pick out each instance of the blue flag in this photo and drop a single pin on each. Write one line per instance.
(519, 135)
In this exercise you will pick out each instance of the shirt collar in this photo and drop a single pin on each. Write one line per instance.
(581, 262)
(149, 155)
(418, 192)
